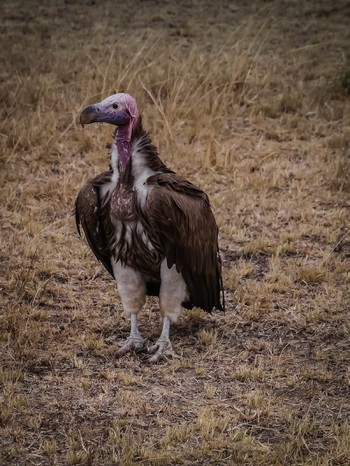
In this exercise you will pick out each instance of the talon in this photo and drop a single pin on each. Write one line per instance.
(162, 350)
(131, 344)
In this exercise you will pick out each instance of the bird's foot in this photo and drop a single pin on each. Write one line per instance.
(162, 349)
(131, 344)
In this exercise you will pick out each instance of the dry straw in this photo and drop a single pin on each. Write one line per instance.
(249, 104)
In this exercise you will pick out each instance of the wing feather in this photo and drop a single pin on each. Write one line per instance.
(88, 216)
(183, 227)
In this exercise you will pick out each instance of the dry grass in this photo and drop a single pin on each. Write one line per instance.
(251, 103)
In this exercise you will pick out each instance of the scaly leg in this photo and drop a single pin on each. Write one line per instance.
(132, 290)
(172, 294)
(162, 349)
(134, 340)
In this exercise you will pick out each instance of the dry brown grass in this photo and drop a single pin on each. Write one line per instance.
(252, 104)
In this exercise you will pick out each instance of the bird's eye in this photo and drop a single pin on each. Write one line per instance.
(115, 105)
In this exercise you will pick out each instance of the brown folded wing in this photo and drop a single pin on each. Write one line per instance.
(88, 216)
(182, 226)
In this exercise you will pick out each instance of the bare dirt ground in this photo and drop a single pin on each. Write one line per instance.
(251, 101)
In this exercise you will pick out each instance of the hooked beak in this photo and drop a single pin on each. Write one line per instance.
(88, 115)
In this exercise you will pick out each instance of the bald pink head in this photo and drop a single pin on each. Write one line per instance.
(130, 104)
(118, 109)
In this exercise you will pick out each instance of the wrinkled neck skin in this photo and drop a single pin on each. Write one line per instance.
(122, 141)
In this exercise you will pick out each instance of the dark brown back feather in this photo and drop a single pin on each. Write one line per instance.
(87, 215)
(183, 227)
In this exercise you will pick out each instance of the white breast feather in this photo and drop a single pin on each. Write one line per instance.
(141, 173)
(111, 185)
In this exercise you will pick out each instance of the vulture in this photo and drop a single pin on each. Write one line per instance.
(153, 230)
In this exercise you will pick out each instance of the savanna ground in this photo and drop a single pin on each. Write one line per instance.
(251, 102)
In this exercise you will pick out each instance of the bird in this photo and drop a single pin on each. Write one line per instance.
(153, 230)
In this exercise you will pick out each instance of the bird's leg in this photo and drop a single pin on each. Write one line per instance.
(134, 340)
(172, 293)
(162, 349)
(132, 291)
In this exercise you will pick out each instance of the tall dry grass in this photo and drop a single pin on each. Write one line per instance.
(248, 102)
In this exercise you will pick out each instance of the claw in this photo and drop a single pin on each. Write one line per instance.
(131, 344)
(162, 350)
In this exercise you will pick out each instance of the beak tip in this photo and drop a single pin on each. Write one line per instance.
(88, 115)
